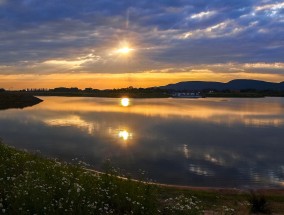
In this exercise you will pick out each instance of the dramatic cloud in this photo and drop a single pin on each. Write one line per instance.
(69, 36)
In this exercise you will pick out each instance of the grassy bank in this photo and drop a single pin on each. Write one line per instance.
(17, 100)
(31, 184)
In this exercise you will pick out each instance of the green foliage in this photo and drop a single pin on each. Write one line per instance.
(30, 184)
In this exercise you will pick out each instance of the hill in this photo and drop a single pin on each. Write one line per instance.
(238, 84)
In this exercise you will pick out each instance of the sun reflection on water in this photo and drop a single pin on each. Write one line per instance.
(125, 135)
(125, 102)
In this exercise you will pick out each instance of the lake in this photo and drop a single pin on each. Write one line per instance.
(208, 142)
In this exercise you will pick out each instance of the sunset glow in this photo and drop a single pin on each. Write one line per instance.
(103, 81)
(188, 94)
(148, 47)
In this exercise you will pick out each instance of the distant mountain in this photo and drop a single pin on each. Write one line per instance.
(238, 84)
(195, 85)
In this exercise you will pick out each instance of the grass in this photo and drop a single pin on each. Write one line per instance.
(31, 184)
(259, 204)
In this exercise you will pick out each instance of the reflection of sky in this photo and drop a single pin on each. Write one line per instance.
(231, 143)
(90, 127)
(73, 120)
(251, 112)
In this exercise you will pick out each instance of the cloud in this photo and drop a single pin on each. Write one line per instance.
(203, 15)
(223, 29)
(265, 65)
(50, 37)
(275, 6)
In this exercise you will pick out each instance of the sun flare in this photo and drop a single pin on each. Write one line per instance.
(124, 50)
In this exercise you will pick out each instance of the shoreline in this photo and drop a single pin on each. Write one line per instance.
(232, 190)
(200, 188)
(151, 95)
(48, 179)
(157, 97)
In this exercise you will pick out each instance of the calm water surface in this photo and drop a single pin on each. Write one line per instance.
(197, 142)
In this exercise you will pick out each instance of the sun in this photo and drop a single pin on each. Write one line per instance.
(124, 48)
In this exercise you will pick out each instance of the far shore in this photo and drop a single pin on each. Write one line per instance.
(21, 99)
(17, 100)
(152, 95)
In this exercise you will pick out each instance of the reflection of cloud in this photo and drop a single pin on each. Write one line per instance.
(200, 170)
(272, 176)
(184, 149)
(263, 122)
(75, 121)
(276, 180)
(214, 160)
(89, 127)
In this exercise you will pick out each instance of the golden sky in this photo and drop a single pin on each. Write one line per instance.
(113, 44)
(109, 81)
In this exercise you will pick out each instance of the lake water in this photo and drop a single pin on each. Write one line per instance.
(197, 142)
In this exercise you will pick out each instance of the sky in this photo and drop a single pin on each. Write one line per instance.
(120, 43)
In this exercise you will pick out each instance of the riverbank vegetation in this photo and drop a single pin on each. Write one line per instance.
(153, 92)
(32, 184)
(17, 100)
(130, 92)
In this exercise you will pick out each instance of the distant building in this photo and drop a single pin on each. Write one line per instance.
(186, 95)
